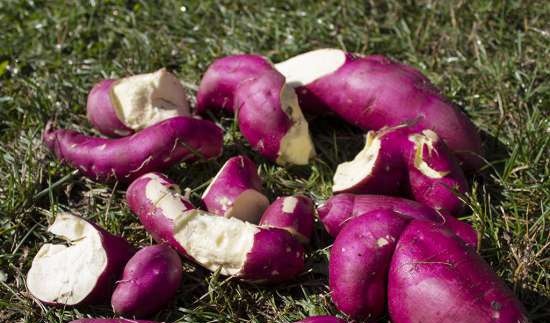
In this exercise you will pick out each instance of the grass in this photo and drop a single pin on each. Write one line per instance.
(490, 57)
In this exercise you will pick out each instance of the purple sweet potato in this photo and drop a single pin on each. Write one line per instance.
(82, 273)
(149, 282)
(236, 191)
(321, 319)
(379, 168)
(292, 213)
(435, 277)
(339, 209)
(270, 119)
(153, 149)
(232, 246)
(120, 107)
(111, 321)
(375, 92)
(217, 88)
(405, 160)
(359, 261)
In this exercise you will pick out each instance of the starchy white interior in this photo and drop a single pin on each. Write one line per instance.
(349, 174)
(145, 99)
(308, 67)
(248, 206)
(289, 204)
(166, 197)
(427, 138)
(67, 274)
(213, 241)
(296, 146)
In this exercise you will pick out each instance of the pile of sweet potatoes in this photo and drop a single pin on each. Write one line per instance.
(397, 243)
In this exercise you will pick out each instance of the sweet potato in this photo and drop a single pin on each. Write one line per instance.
(120, 107)
(153, 149)
(292, 213)
(149, 282)
(373, 92)
(435, 277)
(218, 84)
(270, 119)
(339, 209)
(404, 160)
(359, 261)
(236, 191)
(232, 246)
(81, 273)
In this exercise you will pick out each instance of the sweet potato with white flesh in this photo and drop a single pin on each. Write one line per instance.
(401, 159)
(359, 262)
(435, 277)
(111, 321)
(120, 107)
(83, 272)
(270, 119)
(292, 213)
(149, 282)
(373, 92)
(218, 84)
(433, 173)
(233, 246)
(378, 168)
(236, 191)
(339, 209)
(152, 149)
(321, 319)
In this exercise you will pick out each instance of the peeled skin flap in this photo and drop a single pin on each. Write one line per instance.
(215, 242)
(73, 274)
(143, 100)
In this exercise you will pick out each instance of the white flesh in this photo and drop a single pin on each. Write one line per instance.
(215, 242)
(289, 204)
(145, 99)
(249, 206)
(305, 68)
(296, 146)
(427, 138)
(351, 173)
(167, 198)
(67, 274)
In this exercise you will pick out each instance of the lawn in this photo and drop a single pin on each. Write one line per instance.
(492, 58)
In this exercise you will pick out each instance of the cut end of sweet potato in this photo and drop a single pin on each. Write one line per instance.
(166, 196)
(248, 206)
(296, 147)
(353, 173)
(68, 274)
(427, 139)
(306, 68)
(215, 242)
(143, 100)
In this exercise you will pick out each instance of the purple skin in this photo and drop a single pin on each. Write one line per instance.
(260, 114)
(275, 256)
(437, 193)
(299, 221)
(159, 225)
(222, 78)
(389, 171)
(435, 277)
(376, 89)
(321, 319)
(342, 207)
(359, 262)
(149, 282)
(111, 321)
(238, 175)
(101, 112)
(155, 148)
